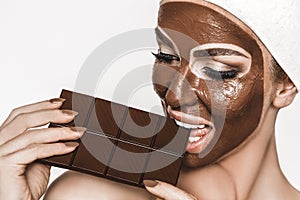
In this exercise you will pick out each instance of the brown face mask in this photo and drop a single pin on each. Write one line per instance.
(209, 75)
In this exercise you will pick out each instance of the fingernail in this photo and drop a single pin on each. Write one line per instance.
(79, 130)
(72, 144)
(57, 100)
(150, 183)
(70, 112)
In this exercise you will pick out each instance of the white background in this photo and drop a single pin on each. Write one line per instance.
(43, 45)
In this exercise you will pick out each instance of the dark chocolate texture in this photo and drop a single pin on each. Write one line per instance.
(121, 143)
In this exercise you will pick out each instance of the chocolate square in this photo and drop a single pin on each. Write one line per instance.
(128, 162)
(93, 153)
(163, 167)
(61, 160)
(171, 138)
(139, 127)
(79, 103)
(106, 117)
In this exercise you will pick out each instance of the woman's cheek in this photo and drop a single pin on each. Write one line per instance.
(230, 96)
(235, 94)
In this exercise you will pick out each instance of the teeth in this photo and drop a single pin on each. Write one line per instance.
(194, 139)
(202, 126)
(189, 126)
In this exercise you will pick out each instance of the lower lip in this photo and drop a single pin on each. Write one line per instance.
(198, 146)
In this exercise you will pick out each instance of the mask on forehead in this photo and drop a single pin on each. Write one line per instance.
(216, 75)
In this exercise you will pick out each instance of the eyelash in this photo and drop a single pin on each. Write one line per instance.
(220, 75)
(165, 58)
(214, 74)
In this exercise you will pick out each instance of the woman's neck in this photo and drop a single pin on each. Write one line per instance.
(271, 181)
(251, 172)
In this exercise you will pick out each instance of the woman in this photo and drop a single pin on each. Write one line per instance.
(211, 70)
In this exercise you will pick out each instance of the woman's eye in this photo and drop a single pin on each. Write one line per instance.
(220, 75)
(166, 58)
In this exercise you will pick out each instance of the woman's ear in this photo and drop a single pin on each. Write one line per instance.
(285, 93)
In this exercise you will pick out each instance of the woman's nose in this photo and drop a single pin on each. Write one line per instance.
(180, 92)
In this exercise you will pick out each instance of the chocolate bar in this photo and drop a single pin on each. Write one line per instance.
(122, 143)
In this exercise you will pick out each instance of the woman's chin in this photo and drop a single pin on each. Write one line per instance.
(191, 160)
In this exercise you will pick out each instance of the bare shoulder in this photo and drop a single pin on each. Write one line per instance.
(73, 185)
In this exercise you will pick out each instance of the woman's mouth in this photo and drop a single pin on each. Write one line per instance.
(201, 130)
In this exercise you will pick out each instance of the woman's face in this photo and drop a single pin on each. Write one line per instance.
(209, 75)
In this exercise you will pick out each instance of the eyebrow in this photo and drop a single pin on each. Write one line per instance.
(163, 38)
(217, 52)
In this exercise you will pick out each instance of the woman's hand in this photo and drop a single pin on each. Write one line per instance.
(166, 191)
(21, 145)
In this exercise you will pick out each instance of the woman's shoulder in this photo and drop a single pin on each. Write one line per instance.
(74, 185)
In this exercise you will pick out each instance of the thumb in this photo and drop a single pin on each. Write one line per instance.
(166, 191)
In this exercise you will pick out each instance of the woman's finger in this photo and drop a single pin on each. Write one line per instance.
(46, 135)
(37, 151)
(43, 105)
(25, 121)
(166, 191)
